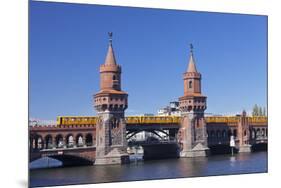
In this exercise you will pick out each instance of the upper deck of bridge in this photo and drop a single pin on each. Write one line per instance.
(172, 120)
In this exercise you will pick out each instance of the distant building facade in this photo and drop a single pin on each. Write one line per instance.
(171, 110)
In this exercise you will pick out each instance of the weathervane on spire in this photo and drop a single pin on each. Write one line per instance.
(110, 36)
(191, 47)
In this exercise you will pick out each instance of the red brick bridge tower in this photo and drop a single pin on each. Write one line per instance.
(192, 134)
(110, 103)
(244, 133)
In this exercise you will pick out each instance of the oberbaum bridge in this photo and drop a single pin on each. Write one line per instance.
(103, 139)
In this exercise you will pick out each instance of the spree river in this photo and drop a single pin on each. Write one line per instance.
(156, 169)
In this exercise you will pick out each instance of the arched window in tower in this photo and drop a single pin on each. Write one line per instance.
(115, 82)
(190, 84)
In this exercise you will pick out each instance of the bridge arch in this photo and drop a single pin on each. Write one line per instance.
(48, 141)
(235, 133)
(89, 139)
(212, 133)
(253, 134)
(79, 140)
(67, 159)
(32, 141)
(263, 132)
(218, 134)
(224, 135)
(258, 133)
(59, 141)
(130, 134)
(72, 160)
(229, 133)
(39, 142)
(69, 140)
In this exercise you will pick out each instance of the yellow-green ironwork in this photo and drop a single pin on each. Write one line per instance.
(91, 120)
(76, 120)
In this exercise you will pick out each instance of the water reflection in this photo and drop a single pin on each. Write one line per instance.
(158, 169)
(232, 161)
(45, 162)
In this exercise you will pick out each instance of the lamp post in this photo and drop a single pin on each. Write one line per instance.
(232, 143)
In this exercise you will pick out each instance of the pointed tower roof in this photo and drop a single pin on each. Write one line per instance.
(191, 64)
(110, 58)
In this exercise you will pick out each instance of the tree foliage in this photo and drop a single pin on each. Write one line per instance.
(258, 111)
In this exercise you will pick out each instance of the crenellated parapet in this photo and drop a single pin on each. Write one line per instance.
(111, 101)
(110, 68)
(190, 103)
(193, 75)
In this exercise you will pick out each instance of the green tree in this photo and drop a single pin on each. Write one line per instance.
(264, 111)
(260, 111)
(255, 110)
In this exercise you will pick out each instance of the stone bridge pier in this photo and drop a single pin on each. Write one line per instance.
(244, 134)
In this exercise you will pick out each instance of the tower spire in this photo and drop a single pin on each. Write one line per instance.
(191, 64)
(110, 57)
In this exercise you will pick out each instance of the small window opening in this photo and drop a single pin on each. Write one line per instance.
(190, 84)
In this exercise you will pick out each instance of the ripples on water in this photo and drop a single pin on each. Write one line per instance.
(147, 170)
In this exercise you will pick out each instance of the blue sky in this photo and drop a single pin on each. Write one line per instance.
(68, 42)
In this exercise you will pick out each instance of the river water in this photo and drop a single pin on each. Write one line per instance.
(156, 169)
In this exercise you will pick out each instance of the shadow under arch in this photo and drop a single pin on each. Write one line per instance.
(153, 146)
